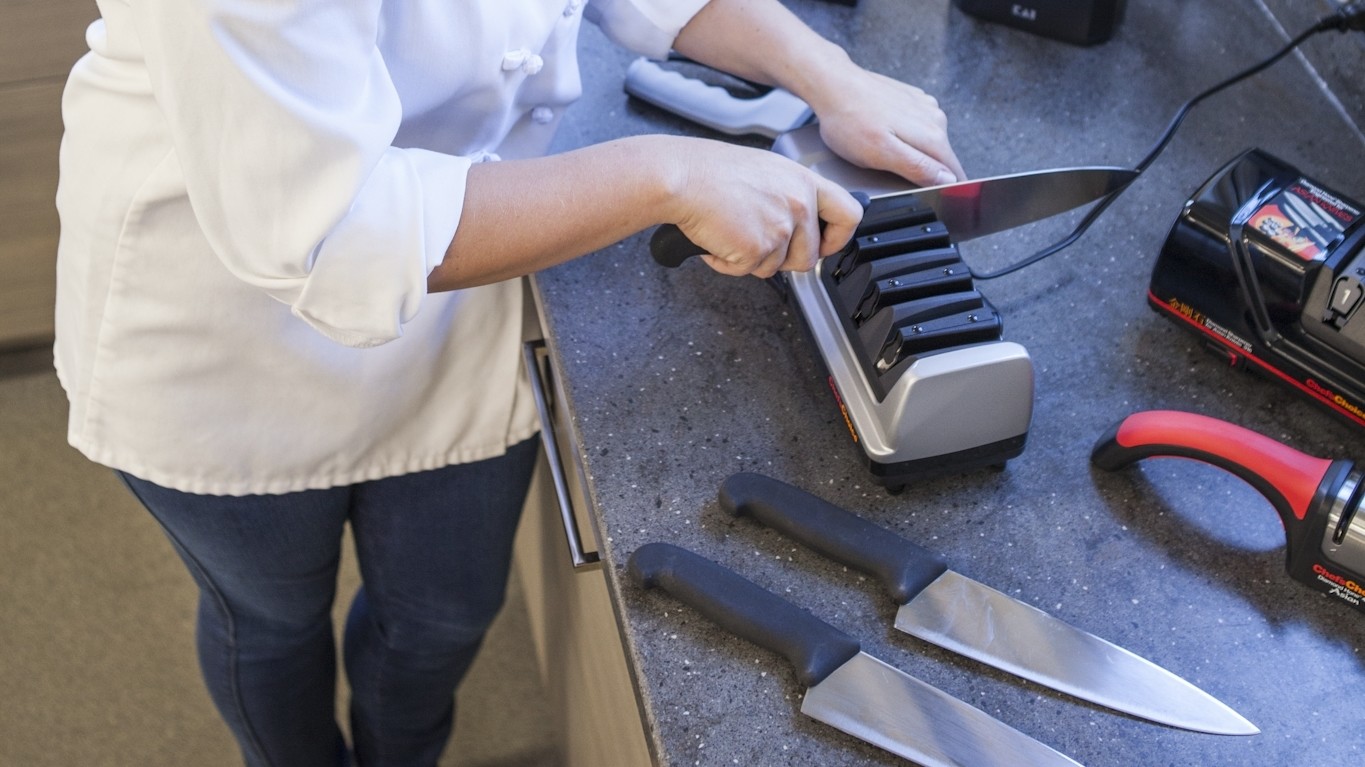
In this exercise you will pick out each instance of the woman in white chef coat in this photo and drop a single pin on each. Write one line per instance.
(285, 302)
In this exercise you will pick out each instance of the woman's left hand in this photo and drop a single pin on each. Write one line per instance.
(869, 119)
(878, 122)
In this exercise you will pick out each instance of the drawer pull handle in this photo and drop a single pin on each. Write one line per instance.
(533, 352)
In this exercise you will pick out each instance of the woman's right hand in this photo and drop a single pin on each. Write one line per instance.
(753, 211)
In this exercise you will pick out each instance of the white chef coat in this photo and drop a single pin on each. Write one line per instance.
(252, 195)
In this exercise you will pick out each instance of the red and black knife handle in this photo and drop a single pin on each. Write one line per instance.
(742, 607)
(903, 567)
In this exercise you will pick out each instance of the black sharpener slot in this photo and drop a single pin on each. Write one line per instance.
(902, 291)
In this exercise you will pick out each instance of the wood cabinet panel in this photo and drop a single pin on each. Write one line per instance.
(42, 38)
(578, 644)
(30, 132)
(574, 625)
(39, 41)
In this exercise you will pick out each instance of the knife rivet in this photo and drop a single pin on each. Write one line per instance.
(916, 329)
(874, 238)
(948, 270)
(971, 318)
(893, 283)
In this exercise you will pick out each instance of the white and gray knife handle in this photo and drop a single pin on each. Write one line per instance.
(770, 114)
(904, 568)
(744, 608)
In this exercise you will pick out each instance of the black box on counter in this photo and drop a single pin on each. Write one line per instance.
(1083, 22)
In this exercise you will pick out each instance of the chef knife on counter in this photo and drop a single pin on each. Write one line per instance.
(846, 688)
(966, 209)
(952, 611)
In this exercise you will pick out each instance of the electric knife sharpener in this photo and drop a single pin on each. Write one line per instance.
(1266, 268)
(914, 351)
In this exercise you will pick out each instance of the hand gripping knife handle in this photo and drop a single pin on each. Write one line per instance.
(1318, 499)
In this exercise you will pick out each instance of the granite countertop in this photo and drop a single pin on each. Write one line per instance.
(679, 378)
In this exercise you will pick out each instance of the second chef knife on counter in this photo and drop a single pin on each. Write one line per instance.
(971, 619)
(847, 688)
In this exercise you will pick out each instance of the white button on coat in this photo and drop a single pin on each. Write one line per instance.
(524, 60)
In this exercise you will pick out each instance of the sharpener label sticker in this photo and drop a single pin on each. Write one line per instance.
(1304, 218)
(1202, 320)
(843, 410)
(1340, 586)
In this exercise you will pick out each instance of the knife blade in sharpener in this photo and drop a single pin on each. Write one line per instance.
(971, 619)
(846, 688)
(968, 209)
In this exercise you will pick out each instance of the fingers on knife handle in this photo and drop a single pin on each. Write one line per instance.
(670, 247)
(904, 568)
(1289, 479)
(740, 606)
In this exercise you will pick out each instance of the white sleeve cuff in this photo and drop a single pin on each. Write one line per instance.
(646, 27)
(369, 275)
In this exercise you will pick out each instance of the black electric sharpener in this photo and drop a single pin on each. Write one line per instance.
(1267, 268)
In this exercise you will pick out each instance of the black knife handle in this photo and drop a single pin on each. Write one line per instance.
(670, 247)
(745, 609)
(904, 568)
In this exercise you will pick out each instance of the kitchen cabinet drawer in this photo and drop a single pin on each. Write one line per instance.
(574, 624)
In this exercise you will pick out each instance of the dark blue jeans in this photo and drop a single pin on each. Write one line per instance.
(434, 551)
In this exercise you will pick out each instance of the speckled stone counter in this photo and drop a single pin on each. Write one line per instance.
(677, 379)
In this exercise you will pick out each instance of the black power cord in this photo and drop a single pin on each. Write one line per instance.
(1349, 17)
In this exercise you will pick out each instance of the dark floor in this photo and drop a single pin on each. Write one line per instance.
(96, 620)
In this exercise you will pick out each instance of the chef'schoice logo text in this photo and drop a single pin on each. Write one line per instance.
(1343, 587)
(1335, 399)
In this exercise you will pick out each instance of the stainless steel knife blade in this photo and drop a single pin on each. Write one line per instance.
(972, 209)
(969, 618)
(847, 688)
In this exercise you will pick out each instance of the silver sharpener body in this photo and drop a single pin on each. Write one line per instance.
(914, 353)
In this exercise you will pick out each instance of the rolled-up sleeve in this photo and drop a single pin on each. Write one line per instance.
(647, 27)
(283, 116)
